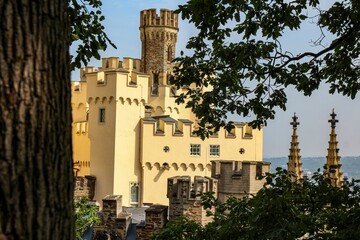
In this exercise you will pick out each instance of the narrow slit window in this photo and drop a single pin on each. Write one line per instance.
(170, 53)
(155, 85)
(102, 115)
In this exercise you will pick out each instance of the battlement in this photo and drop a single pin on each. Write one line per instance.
(155, 219)
(114, 222)
(238, 178)
(181, 187)
(84, 187)
(112, 63)
(165, 125)
(116, 79)
(184, 199)
(167, 18)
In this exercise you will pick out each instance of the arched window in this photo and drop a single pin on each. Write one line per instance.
(134, 193)
(173, 92)
(169, 53)
(155, 85)
(168, 78)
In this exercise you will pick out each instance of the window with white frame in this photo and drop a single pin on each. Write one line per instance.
(195, 149)
(214, 150)
(102, 115)
(134, 193)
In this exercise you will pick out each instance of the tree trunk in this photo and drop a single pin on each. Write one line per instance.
(36, 178)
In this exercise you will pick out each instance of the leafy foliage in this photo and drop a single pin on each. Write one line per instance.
(239, 52)
(310, 209)
(181, 229)
(85, 216)
(87, 30)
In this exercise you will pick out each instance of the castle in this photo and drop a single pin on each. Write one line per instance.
(130, 135)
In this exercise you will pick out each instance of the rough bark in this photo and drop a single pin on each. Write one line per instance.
(36, 179)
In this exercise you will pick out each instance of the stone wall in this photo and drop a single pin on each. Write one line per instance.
(156, 219)
(184, 199)
(114, 222)
(238, 178)
(84, 187)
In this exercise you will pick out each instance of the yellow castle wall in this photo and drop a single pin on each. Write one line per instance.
(78, 101)
(159, 165)
(102, 135)
(114, 152)
(126, 166)
(124, 149)
(81, 148)
(129, 110)
(80, 138)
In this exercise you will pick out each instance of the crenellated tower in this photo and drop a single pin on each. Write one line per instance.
(294, 163)
(184, 197)
(333, 166)
(158, 35)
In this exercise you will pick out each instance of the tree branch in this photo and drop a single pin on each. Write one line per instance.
(332, 46)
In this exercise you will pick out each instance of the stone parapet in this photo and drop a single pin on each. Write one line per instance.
(149, 18)
(84, 187)
(184, 197)
(114, 222)
(238, 178)
(156, 218)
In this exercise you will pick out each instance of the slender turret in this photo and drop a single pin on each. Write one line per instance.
(333, 166)
(294, 163)
(158, 35)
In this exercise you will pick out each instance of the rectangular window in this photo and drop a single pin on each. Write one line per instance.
(195, 149)
(258, 170)
(214, 150)
(102, 115)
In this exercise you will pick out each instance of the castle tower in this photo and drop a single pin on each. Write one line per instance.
(158, 36)
(294, 163)
(332, 166)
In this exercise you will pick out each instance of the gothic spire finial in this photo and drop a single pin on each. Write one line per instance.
(295, 123)
(333, 121)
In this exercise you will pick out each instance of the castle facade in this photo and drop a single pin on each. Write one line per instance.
(129, 133)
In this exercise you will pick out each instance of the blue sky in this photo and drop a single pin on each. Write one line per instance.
(122, 26)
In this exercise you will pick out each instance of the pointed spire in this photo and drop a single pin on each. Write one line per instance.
(333, 166)
(294, 163)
